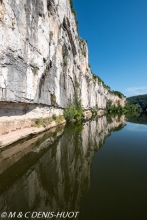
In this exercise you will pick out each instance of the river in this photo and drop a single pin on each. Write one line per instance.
(97, 168)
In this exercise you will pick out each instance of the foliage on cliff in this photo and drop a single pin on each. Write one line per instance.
(74, 111)
(119, 94)
(100, 81)
(72, 7)
(73, 11)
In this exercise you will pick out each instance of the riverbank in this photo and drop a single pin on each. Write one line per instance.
(12, 131)
(24, 128)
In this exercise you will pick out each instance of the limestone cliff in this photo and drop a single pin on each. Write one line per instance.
(43, 61)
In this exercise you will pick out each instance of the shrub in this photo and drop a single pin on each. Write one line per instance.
(35, 70)
(54, 116)
(119, 94)
(94, 112)
(69, 112)
(53, 97)
(84, 53)
(65, 53)
(73, 11)
(65, 62)
(74, 111)
(78, 113)
(42, 121)
(38, 121)
(59, 118)
(77, 85)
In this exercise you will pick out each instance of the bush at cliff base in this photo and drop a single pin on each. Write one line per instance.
(70, 113)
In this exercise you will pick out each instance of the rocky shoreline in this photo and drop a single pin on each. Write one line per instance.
(14, 130)
(24, 132)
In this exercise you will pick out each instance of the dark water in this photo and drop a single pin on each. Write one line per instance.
(118, 187)
(98, 168)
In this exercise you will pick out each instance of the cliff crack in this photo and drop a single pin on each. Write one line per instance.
(66, 25)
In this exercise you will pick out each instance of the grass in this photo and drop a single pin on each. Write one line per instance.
(59, 118)
(42, 122)
(38, 122)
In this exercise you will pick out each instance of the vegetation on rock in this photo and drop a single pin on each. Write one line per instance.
(74, 111)
(119, 94)
(42, 122)
(74, 12)
(72, 8)
(35, 70)
(47, 121)
(100, 81)
(94, 112)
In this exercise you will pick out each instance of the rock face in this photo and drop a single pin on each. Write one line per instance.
(43, 61)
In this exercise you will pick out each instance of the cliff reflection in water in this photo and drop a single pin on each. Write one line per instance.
(55, 173)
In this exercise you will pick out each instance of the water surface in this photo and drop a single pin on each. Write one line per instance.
(118, 188)
(97, 168)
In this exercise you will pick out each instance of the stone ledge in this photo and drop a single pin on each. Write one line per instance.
(14, 136)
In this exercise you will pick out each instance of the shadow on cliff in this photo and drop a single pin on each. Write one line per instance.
(18, 109)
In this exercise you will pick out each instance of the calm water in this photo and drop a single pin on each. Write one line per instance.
(118, 188)
(98, 168)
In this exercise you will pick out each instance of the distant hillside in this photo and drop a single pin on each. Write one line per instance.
(139, 99)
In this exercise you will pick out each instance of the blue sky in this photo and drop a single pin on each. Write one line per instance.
(116, 31)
